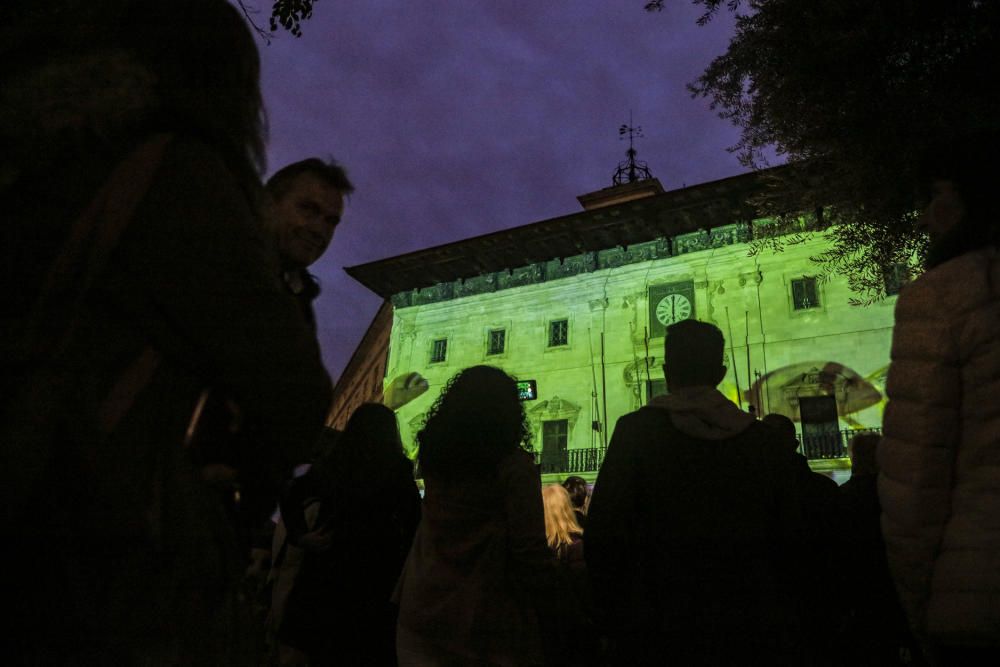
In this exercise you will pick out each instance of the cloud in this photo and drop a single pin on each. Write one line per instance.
(457, 119)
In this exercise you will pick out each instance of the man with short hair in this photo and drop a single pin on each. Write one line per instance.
(693, 522)
(304, 207)
(307, 202)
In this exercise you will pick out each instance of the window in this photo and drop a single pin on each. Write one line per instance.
(497, 341)
(805, 295)
(895, 277)
(555, 437)
(558, 333)
(439, 350)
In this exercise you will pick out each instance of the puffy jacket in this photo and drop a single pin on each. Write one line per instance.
(940, 459)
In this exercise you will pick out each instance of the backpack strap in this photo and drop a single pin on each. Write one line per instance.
(90, 243)
(29, 421)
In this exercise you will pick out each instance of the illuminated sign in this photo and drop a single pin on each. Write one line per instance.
(527, 390)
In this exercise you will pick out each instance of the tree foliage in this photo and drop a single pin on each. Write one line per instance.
(288, 14)
(850, 92)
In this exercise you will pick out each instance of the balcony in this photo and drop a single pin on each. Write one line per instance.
(833, 445)
(815, 448)
(571, 460)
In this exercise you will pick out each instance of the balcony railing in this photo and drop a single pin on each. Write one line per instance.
(833, 445)
(571, 460)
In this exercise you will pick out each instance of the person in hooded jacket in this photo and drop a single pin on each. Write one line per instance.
(694, 523)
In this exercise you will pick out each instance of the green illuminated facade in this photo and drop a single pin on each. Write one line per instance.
(588, 326)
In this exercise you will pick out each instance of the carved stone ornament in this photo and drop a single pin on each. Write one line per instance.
(554, 408)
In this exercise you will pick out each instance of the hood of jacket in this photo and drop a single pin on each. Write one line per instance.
(704, 413)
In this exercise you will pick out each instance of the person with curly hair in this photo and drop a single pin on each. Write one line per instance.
(479, 563)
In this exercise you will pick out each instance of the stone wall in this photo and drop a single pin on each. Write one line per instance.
(833, 348)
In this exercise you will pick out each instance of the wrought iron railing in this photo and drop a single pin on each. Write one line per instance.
(832, 445)
(571, 460)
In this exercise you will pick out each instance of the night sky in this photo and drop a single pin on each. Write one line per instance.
(458, 118)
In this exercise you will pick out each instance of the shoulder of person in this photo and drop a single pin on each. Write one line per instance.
(518, 461)
(952, 288)
(645, 425)
(645, 417)
(195, 154)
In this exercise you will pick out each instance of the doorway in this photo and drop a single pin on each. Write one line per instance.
(820, 428)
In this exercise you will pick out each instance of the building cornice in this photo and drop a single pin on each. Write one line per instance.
(630, 231)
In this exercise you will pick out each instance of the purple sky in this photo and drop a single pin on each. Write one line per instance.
(458, 118)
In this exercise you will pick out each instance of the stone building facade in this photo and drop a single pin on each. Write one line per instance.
(362, 380)
(578, 304)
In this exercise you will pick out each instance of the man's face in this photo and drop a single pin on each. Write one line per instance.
(306, 218)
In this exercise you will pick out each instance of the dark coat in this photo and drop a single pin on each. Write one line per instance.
(875, 626)
(578, 637)
(339, 610)
(131, 549)
(822, 600)
(689, 543)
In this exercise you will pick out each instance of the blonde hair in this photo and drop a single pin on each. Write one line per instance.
(560, 520)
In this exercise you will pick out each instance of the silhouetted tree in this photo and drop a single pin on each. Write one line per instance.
(289, 14)
(847, 91)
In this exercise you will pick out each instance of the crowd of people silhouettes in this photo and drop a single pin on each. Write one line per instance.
(161, 378)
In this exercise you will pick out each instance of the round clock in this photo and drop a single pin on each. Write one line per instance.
(673, 308)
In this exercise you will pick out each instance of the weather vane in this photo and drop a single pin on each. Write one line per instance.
(630, 170)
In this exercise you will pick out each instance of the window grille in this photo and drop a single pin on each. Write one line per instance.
(558, 333)
(805, 295)
(497, 341)
(439, 350)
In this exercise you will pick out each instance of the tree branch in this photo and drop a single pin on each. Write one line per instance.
(264, 34)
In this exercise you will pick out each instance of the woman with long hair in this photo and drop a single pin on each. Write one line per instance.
(479, 564)
(574, 627)
(339, 610)
(562, 531)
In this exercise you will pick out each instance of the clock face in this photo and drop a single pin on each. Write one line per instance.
(673, 308)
